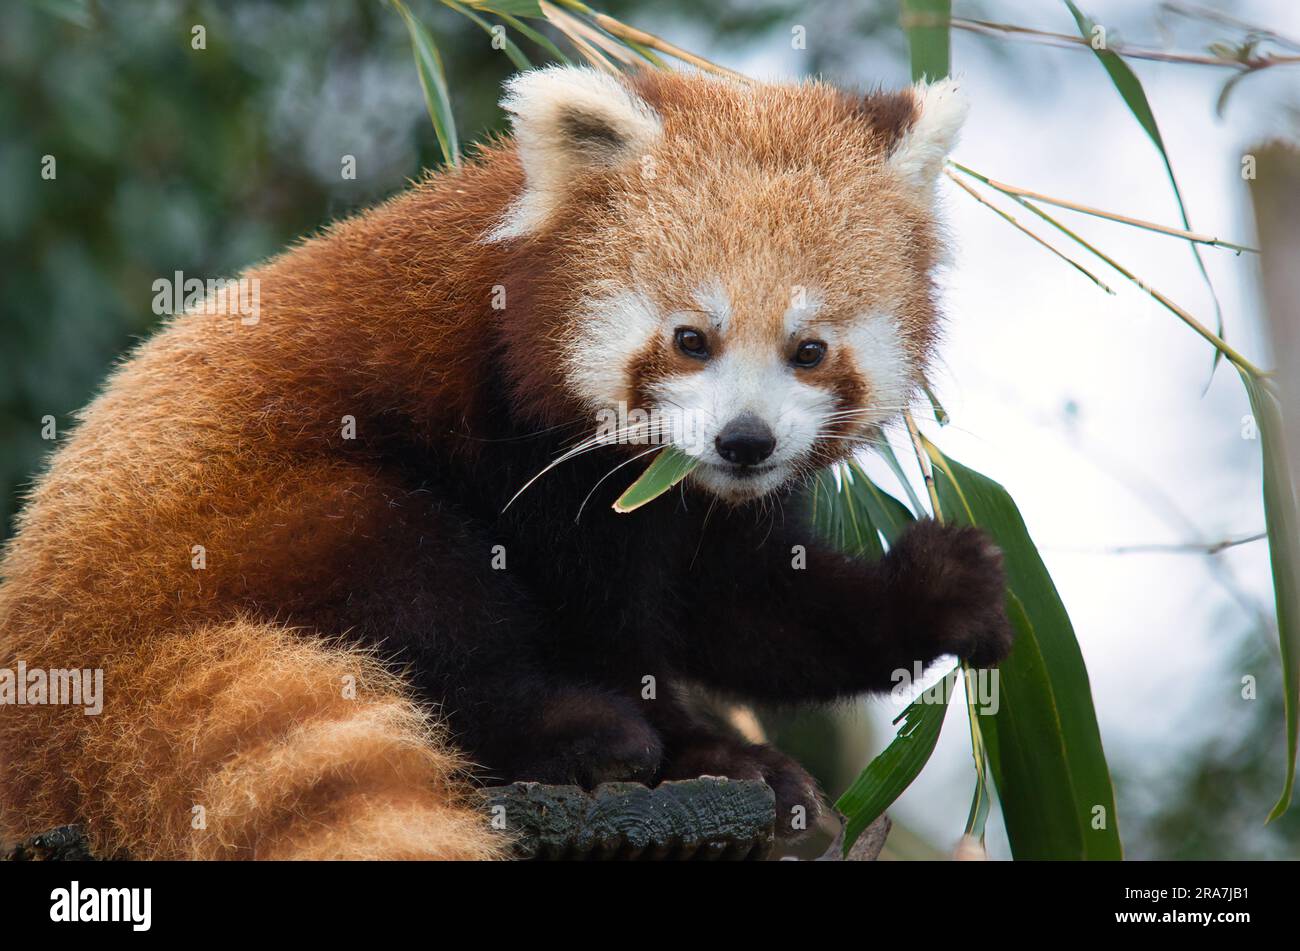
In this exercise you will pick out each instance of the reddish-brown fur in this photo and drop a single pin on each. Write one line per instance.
(228, 436)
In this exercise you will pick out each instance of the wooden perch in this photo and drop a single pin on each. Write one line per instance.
(706, 819)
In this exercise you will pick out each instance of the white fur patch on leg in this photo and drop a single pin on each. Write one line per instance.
(941, 110)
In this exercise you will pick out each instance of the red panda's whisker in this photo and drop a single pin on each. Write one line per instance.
(625, 462)
(590, 444)
(586, 446)
(536, 434)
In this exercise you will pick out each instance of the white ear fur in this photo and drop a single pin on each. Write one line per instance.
(566, 119)
(941, 109)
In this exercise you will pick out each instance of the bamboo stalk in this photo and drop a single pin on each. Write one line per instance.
(1066, 41)
(1050, 247)
(923, 459)
(1186, 317)
(574, 29)
(1108, 215)
(649, 40)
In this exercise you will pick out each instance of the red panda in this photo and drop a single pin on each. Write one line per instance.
(298, 549)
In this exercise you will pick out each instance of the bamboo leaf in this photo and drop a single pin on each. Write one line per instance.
(888, 515)
(511, 49)
(1130, 89)
(668, 468)
(940, 414)
(891, 458)
(514, 8)
(853, 513)
(1044, 744)
(537, 37)
(433, 81)
(885, 778)
(841, 516)
(1283, 525)
(926, 23)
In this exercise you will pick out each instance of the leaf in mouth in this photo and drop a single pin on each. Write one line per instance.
(668, 468)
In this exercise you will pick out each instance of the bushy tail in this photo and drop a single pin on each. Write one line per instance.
(243, 740)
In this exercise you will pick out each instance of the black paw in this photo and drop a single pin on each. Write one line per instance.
(953, 591)
(589, 739)
(799, 801)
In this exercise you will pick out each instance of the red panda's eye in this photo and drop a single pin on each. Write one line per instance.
(692, 343)
(809, 353)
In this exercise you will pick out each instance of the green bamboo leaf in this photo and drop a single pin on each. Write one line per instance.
(926, 23)
(668, 468)
(1130, 89)
(885, 778)
(852, 513)
(433, 81)
(891, 459)
(511, 50)
(536, 36)
(940, 414)
(514, 8)
(1283, 524)
(888, 515)
(1044, 744)
(1028, 757)
(841, 518)
(861, 532)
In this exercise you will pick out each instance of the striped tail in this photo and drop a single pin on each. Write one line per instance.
(244, 741)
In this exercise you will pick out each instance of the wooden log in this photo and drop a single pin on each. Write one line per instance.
(64, 844)
(702, 819)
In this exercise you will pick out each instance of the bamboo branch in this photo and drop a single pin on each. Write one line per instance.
(1108, 215)
(1176, 548)
(1209, 335)
(923, 459)
(1050, 247)
(649, 40)
(1066, 41)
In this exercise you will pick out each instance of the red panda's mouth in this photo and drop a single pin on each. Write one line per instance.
(745, 472)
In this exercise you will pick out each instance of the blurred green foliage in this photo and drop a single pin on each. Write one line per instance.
(172, 158)
(207, 160)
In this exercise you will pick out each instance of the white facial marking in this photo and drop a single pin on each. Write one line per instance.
(878, 352)
(713, 300)
(801, 312)
(699, 404)
(617, 325)
(613, 328)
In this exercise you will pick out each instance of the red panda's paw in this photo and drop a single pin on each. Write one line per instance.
(953, 588)
(800, 803)
(799, 800)
(588, 738)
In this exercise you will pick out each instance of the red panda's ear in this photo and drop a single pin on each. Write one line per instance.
(938, 112)
(568, 120)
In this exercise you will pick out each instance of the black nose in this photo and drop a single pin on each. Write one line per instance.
(746, 440)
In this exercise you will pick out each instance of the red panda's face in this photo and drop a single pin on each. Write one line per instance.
(746, 269)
